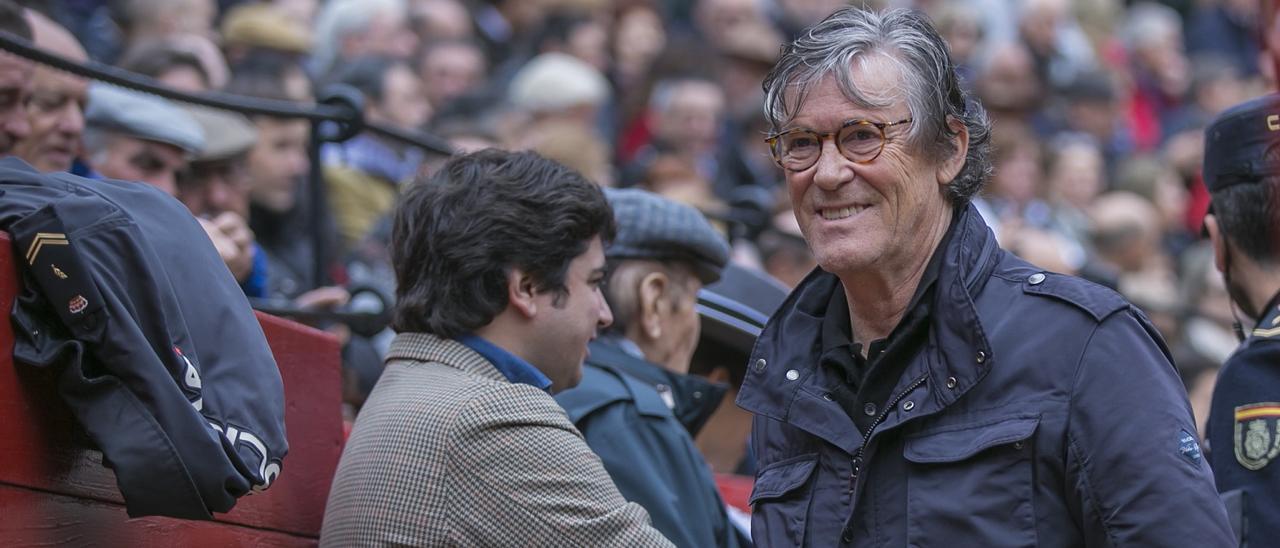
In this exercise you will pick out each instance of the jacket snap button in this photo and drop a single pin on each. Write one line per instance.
(951, 382)
(760, 363)
(1036, 279)
(982, 356)
(869, 409)
(792, 374)
(908, 405)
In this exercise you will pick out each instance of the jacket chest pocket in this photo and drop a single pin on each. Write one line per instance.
(972, 484)
(780, 502)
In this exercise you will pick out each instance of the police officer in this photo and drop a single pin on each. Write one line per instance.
(1242, 173)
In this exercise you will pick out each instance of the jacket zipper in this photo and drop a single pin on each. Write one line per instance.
(857, 456)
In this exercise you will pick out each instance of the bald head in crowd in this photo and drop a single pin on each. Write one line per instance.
(15, 78)
(55, 109)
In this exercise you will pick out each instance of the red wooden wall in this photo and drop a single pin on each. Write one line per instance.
(55, 491)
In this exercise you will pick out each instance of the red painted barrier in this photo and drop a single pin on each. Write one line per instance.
(55, 491)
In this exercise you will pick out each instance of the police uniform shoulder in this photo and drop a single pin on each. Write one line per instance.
(1091, 298)
(1269, 328)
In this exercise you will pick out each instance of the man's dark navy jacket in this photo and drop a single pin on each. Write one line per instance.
(161, 358)
(1040, 410)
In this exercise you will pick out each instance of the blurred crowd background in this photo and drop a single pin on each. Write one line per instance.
(1099, 109)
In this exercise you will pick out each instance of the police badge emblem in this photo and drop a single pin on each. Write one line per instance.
(78, 304)
(1257, 434)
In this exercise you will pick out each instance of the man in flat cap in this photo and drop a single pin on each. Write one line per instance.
(1242, 173)
(135, 136)
(215, 187)
(636, 406)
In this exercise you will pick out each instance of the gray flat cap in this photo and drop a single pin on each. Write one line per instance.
(141, 115)
(653, 227)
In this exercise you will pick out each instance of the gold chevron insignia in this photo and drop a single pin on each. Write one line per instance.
(42, 239)
(1266, 333)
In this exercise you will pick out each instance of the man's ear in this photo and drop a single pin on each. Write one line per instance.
(950, 167)
(521, 292)
(652, 297)
(1218, 241)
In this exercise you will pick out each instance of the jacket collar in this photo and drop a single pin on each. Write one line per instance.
(1268, 326)
(690, 398)
(783, 371)
(513, 367)
(425, 347)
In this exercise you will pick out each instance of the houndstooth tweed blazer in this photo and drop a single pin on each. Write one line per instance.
(447, 452)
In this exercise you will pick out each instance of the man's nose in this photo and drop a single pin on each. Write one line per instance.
(72, 121)
(606, 315)
(832, 168)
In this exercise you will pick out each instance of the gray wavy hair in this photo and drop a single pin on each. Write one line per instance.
(908, 40)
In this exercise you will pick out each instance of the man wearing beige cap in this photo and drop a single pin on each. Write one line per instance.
(215, 187)
(249, 27)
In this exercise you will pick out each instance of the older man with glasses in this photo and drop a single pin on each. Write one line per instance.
(925, 387)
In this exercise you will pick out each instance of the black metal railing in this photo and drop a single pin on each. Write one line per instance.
(337, 115)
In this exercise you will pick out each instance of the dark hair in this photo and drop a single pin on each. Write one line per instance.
(457, 234)
(367, 73)
(558, 27)
(263, 74)
(156, 57)
(1249, 216)
(13, 21)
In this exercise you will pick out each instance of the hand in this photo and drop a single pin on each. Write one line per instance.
(237, 231)
(231, 254)
(324, 298)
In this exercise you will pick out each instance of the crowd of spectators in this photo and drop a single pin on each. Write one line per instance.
(1098, 106)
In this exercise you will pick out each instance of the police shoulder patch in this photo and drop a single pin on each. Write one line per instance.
(1189, 446)
(1257, 434)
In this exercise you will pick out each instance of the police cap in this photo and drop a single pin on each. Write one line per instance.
(1242, 145)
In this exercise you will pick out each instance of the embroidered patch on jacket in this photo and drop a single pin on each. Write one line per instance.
(77, 304)
(1257, 434)
(1189, 446)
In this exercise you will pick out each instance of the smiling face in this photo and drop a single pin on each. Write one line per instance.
(877, 216)
(568, 321)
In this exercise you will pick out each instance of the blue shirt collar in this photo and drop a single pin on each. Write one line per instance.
(511, 366)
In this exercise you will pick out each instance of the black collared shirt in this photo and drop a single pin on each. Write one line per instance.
(868, 381)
